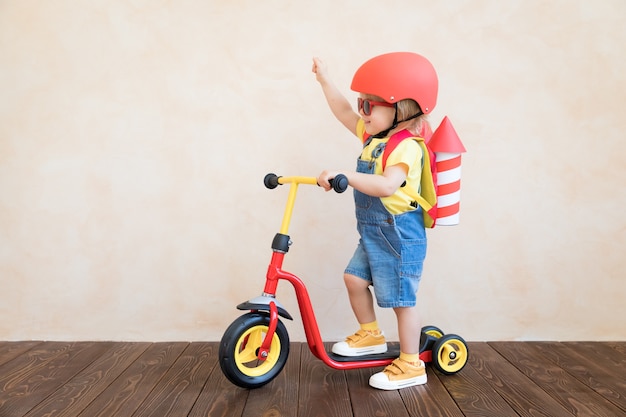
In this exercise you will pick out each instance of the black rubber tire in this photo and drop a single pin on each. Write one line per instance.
(237, 340)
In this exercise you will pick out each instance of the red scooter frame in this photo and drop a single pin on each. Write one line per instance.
(254, 348)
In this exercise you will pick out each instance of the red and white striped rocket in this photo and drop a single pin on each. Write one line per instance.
(447, 146)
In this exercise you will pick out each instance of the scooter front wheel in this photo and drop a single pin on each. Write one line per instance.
(239, 350)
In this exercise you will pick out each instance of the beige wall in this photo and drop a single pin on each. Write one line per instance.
(134, 136)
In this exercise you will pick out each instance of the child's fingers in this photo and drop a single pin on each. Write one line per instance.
(315, 64)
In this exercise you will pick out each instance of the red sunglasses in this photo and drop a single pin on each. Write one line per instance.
(366, 105)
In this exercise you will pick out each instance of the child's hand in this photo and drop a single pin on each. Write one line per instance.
(319, 69)
(323, 180)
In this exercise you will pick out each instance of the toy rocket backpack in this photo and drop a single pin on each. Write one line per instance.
(399, 76)
(440, 186)
(426, 196)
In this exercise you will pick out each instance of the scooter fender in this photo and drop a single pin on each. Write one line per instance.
(262, 303)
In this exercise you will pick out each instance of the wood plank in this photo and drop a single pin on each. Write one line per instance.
(11, 350)
(372, 402)
(71, 399)
(601, 354)
(47, 367)
(177, 391)
(279, 398)
(586, 363)
(431, 399)
(63, 379)
(30, 361)
(472, 391)
(619, 346)
(130, 389)
(520, 393)
(572, 394)
(219, 397)
(323, 390)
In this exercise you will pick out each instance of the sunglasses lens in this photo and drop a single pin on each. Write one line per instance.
(366, 106)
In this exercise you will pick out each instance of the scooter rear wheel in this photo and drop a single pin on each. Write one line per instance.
(450, 354)
(240, 346)
(433, 331)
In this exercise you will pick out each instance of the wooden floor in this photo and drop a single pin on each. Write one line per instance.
(183, 379)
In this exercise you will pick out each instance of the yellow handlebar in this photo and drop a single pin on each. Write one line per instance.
(297, 180)
(339, 183)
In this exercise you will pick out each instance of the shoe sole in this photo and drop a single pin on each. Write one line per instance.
(394, 385)
(369, 350)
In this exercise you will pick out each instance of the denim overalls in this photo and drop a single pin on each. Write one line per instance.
(391, 249)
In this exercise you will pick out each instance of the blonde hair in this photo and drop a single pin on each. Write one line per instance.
(409, 107)
(405, 109)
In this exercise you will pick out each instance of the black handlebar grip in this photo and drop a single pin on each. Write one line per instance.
(271, 181)
(339, 183)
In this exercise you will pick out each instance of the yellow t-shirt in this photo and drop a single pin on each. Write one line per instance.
(408, 152)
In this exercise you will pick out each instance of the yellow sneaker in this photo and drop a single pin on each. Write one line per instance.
(399, 374)
(361, 343)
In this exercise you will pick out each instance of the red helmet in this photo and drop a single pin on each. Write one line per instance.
(398, 76)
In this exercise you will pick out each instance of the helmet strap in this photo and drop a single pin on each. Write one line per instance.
(396, 122)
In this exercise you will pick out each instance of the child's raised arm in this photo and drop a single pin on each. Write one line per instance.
(337, 102)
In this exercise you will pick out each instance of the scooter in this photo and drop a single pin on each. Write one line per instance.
(255, 347)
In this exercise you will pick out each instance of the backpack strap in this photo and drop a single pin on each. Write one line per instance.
(427, 196)
(393, 142)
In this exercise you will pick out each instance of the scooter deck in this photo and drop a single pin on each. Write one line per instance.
(393, 351)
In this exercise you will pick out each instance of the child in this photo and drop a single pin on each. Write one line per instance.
(396, 91)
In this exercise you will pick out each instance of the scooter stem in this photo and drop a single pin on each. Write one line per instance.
(291, 199)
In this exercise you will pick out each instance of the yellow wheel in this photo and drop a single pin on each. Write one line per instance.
(239, 350)
(247, 348)
(433, 331)
(450, 354)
